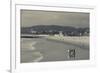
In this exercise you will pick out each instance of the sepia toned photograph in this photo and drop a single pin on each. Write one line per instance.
(48, 36)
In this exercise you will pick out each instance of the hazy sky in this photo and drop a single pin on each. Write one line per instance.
(32, 17)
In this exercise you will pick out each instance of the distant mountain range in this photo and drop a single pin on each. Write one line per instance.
(53, 29)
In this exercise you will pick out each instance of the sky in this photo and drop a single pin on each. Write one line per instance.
(35, 17)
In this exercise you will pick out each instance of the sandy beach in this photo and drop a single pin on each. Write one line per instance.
(53, 49)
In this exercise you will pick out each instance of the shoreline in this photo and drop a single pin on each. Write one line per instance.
(78, 41)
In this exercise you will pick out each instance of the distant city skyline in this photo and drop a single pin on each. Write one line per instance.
(35, 17)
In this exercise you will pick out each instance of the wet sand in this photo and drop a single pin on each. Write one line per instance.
(44, 50)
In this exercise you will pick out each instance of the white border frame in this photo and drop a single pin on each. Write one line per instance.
(15, 38)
